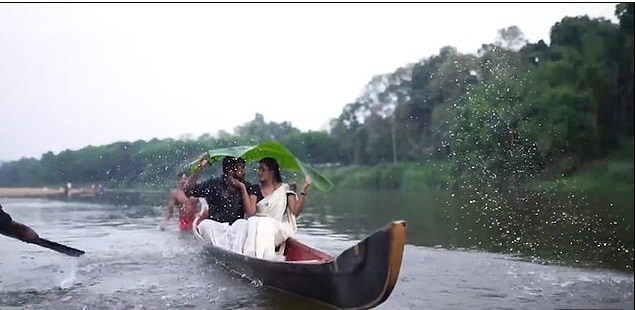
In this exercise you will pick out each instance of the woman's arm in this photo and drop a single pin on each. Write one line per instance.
(297, 205)
(293, 204)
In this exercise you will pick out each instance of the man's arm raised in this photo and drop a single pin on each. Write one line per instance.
(190, 184)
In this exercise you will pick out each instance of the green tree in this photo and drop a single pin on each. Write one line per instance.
(437, 83)
(488, 150)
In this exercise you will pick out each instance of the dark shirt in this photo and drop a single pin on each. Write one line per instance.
(225, 201)
(5, 220)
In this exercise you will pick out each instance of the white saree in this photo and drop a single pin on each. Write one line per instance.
(272, 224)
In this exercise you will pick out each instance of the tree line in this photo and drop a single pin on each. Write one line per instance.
(512, 111)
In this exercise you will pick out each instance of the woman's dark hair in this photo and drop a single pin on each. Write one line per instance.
(272, 164)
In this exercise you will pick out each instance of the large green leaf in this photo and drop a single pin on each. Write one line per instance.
(285, 158)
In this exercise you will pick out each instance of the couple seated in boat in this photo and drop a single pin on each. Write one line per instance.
(243, 217)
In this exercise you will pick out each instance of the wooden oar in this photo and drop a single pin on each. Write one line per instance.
(60, 248)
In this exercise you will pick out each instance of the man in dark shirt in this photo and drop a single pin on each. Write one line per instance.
(224, 199)
(17, 230)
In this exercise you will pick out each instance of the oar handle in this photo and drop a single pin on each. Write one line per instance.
(60, 248)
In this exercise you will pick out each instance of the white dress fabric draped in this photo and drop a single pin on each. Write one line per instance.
(272, 224)
(229, 237)
(215, 232)
(259, 235)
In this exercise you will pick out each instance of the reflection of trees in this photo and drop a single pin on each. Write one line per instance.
(540, 225)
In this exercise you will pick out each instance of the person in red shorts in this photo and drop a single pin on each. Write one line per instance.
(188, 206)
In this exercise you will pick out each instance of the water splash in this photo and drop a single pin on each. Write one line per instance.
(70, 272)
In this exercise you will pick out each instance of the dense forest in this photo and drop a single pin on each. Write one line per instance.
(513, 111)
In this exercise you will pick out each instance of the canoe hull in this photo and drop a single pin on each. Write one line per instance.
(361, 277)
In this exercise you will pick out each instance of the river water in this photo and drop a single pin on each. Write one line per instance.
(130, 264)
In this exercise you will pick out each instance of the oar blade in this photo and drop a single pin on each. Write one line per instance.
(61, 248)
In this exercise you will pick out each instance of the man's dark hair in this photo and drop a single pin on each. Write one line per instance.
(231, 163)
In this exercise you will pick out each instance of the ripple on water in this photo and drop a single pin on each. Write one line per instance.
(132, 265)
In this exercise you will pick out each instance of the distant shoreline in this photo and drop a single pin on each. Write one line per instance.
(21, 192)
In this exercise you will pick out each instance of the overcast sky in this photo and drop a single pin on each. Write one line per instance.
(73, 75)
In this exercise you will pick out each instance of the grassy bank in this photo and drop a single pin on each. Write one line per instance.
(611, 177)
(405, 176)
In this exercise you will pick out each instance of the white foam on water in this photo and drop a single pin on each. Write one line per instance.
(70, 274)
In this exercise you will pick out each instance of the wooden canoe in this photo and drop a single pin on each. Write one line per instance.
(361, 277)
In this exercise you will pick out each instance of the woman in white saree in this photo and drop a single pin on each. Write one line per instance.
(272, 219)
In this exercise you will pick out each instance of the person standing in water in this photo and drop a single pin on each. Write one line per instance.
(188, 206)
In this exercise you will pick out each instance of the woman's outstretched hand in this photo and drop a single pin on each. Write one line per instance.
(307, 183)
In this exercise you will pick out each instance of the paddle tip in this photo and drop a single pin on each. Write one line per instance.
(61, 248)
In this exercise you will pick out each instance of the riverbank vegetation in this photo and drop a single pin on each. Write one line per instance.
(516, 113)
